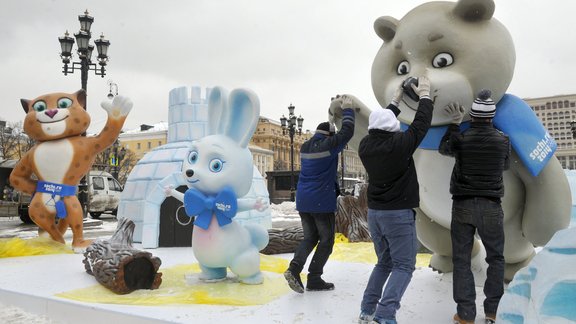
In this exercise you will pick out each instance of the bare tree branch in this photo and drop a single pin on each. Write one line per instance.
(14, 143)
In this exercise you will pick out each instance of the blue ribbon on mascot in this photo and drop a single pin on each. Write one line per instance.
(529, 139)
(56, 189)
(223, 205)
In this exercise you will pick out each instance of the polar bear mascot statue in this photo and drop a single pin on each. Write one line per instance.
(462, 49)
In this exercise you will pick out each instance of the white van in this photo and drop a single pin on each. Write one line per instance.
(103, 193)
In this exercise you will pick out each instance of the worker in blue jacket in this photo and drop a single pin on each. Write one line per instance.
(316, 195)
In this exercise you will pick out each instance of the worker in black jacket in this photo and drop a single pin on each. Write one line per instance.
(386, 153)
(481, 155)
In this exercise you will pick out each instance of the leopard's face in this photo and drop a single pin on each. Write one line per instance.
(56, 115)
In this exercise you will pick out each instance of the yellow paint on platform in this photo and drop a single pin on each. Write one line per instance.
(177, 289)
(17, 247)
(180, 285)
(363, 252)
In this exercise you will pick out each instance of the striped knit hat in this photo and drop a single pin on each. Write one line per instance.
(483, 106)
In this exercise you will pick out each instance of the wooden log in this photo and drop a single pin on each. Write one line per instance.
(118, 266)
(283, 240)
(351, 221)
(352, 216)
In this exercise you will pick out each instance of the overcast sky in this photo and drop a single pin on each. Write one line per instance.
(288, 51)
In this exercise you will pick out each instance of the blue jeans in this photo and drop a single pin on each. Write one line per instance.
(393, 233)
(486, 217)
(318, 229)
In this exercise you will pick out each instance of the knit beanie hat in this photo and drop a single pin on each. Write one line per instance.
(325, 128)
(483, 106)
(383, 119)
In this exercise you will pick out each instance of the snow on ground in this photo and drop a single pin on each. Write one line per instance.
(282, 215)
(428, 298)
(284, 211)
(9, 314)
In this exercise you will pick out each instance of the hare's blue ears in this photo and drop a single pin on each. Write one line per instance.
(235, 115)
(217, 104)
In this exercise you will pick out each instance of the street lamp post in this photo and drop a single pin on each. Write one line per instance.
(84, 50)
(85, 65)
(290, 124)
(113, 90)
(115, 159)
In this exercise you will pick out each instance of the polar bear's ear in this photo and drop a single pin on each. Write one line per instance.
(217, 103)
(474, 10)
(242, 116)
(385, 27)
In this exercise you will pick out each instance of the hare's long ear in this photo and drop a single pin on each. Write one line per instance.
(242, 116)
(217, 103)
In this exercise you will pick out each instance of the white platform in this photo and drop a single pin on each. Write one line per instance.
(31, 283)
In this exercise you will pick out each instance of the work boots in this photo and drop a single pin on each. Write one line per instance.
(490, 318)
(458, 320)
(294, 281)
(317, 284)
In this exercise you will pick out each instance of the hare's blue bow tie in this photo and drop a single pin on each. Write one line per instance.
(223, 205)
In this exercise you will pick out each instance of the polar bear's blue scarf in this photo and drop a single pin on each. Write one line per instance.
(529, 139)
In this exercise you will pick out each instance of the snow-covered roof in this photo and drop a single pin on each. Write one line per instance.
(157, 127)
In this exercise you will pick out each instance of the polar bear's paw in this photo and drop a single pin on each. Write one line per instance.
(441, 263)
(510, 269)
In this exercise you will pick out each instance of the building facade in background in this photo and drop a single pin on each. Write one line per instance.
(145, 138)
(263, 158)
(269, 136)
(556, 113)
(353, 169)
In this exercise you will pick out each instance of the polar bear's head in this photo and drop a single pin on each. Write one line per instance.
(459, 46)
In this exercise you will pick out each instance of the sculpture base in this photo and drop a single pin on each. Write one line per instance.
(33, 283)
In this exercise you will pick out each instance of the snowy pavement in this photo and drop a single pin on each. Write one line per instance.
(31, 283)
(31, 291)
